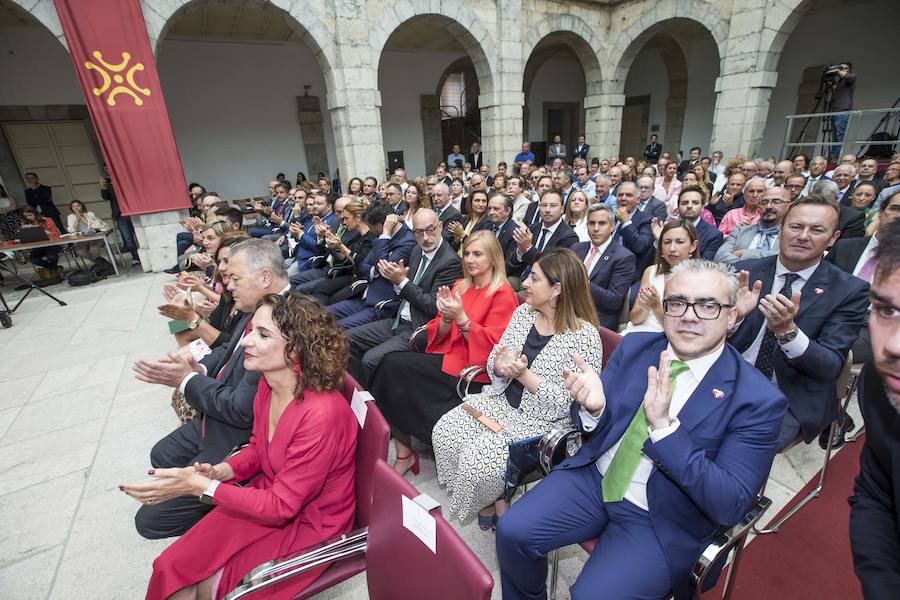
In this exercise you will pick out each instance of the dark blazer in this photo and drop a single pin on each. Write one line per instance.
(609, 280)
(41, 199)
(719, 209)
(532, 214)
(359, 247)
(846, 199)
(845, 253)
(831, 318)
(397, 248)
(875, 504)
(638, 237)
(505, 236)
(657, 209)
(652, 152)
(563, 237)
(224, 396)
(581, 151)
(476, 162)
(710, 239)
(450, 213)
(444, 269)
(685, 165)
(851, 222)
(707, 472)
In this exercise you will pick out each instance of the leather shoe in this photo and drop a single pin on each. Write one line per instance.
(173, 270)
(845, 425)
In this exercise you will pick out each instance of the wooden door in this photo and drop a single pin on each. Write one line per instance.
(635, 121)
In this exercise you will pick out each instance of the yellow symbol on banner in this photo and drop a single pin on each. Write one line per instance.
(117, 78)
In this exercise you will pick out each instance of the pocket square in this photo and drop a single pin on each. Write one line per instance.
(718, 394)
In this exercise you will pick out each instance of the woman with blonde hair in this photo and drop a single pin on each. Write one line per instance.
(527, 396)
(576, 214)
(414, 389)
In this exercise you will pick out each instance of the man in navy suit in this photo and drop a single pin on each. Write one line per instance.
(551, 232)
(808, 316)
(633, 228)
(875, 504)
(499, 221)
(679, 433)
(609, 265)
(690, 205)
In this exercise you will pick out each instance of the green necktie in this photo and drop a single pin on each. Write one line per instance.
(628, 456)
(340, 235)
(420, 272)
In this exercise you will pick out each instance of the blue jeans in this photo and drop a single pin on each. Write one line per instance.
(183, 241)
(126, 230)
(840, 128)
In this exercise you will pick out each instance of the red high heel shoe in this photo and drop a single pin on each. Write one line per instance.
(414, 467)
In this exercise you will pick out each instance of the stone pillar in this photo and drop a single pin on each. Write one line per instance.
(309, 113)
(501, 126)
(742, 107)
(502, 102)
(431, 131)
(603, 123)
(356, 119)
(155, 233)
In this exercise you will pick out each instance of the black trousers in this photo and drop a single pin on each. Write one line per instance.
(369, 343)
(174, 517)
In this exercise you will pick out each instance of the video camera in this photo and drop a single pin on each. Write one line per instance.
(831, 74)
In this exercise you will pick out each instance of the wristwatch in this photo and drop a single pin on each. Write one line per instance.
(207, 496)
(195, 323)
(787, 337)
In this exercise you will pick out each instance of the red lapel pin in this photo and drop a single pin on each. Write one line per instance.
(819, 291)
(718, 394)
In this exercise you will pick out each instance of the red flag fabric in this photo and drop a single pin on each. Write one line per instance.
(116, 68)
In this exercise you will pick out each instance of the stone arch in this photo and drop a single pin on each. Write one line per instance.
(308, 21)
(464, 26)
(570, 31)
(44, 12)
(780, 21)
(661, 16)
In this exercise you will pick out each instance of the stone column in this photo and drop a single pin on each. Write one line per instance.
(309, 113)
(742, 107)
(431, 130)
(501, 126)
(155, 233)
(356, 119)
(502, 103)
(603, 123)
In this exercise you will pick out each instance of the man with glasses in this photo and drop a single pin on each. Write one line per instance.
(647, 202)
(808, 315)
(433, 263)
(760, 240)
(678, 434)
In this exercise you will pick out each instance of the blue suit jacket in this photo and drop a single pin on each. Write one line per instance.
(710, 238)
(831, 319)
(308, 245)
(397, 248)
(708, 472)
(609, 280)
(638, 237)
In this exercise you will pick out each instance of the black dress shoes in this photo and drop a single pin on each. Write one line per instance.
(844, 426)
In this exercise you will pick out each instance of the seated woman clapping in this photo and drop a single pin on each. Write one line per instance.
(414, 389)
(526, 396)
(300, 462)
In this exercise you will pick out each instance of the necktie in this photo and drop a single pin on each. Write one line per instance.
(590, 258)
(420, 272)
(542, 241)
(768, 234)
(765, 360)
(497, 230)
(628, 455)
(868, 269)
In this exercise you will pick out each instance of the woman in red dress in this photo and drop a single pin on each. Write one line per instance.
(300, 463)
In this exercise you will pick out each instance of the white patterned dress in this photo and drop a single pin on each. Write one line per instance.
(471, 459)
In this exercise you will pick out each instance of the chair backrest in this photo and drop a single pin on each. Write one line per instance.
(371, 445)
(399, 565)
(610, 340)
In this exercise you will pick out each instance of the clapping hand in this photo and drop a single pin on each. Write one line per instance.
(659, 393)
(656, 226)
(295, 229)
(331, 240)
(167, 371)
(276, 219)
(524, 239)
(167, 484)
(510, 364)
(201, 259)
(449, 304)
(395, 272)
(584, 386)
(206, 307)
(191, 282)
(456, 229)
(780, 311)
(622, 214)
(747, 298)
(649, 297)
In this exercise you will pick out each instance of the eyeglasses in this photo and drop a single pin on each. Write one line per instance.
(705, 309)
(428, 230)
(776, 202)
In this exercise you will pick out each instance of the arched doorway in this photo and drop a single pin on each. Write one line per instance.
(430, 75)
(669, 74)
(246, 95)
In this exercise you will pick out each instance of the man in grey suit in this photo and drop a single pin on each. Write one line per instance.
(217, 386)
(433, 263)
(648, 203)
(760, 239)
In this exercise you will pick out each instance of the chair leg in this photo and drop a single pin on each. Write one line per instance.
(732, 570)
(554, 573)
(859, 432)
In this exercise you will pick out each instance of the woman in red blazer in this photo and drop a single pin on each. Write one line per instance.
(300, 463)
(413, 389)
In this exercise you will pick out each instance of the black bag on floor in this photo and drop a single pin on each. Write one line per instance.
(82, 277)
(102, 268)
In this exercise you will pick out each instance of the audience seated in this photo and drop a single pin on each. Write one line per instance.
(550, 232)
(277, 215)
(576, 214)
(476, 213)
(300, 462)
(322, 217)
(864, 194)
(762, 239)
(875, 505)
(668, 181)
(47, 258)
(500, 221)
(801, 333)
(219, 387)
(655, 500)
(850, 221)
(634, 228)
(433, 264)
(748, 213)
(526, 396)
(193, 225)
(414, 389)
(446, 213)
(80, 220)
(730, 196)
(690, 208)
(647, 202)
(414, 198)
(609, 265)
(329, 227)
(677, 243)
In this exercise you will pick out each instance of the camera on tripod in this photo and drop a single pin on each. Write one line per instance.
(831, 74)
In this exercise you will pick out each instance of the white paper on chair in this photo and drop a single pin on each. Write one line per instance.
(358, 405)
(422, 525)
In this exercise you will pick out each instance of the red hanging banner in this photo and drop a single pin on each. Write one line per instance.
(116, 68)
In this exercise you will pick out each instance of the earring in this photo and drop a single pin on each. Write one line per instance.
(297, 369)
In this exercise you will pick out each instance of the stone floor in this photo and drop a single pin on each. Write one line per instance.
(74, 423)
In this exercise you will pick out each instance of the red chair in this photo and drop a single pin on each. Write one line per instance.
(399, 565)
(346, 554)
(610, 340)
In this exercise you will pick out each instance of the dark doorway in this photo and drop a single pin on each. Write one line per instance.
(635, 119)
(563, 118)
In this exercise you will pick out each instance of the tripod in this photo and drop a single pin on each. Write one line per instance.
(5, 311)
(824, 96)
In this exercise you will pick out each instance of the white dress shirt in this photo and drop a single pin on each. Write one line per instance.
(867, 252)
(551, 229)
(405, 314)
(685, 384)
(798, 345)
(589, 264)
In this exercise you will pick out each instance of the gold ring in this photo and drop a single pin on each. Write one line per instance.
(150, 500)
